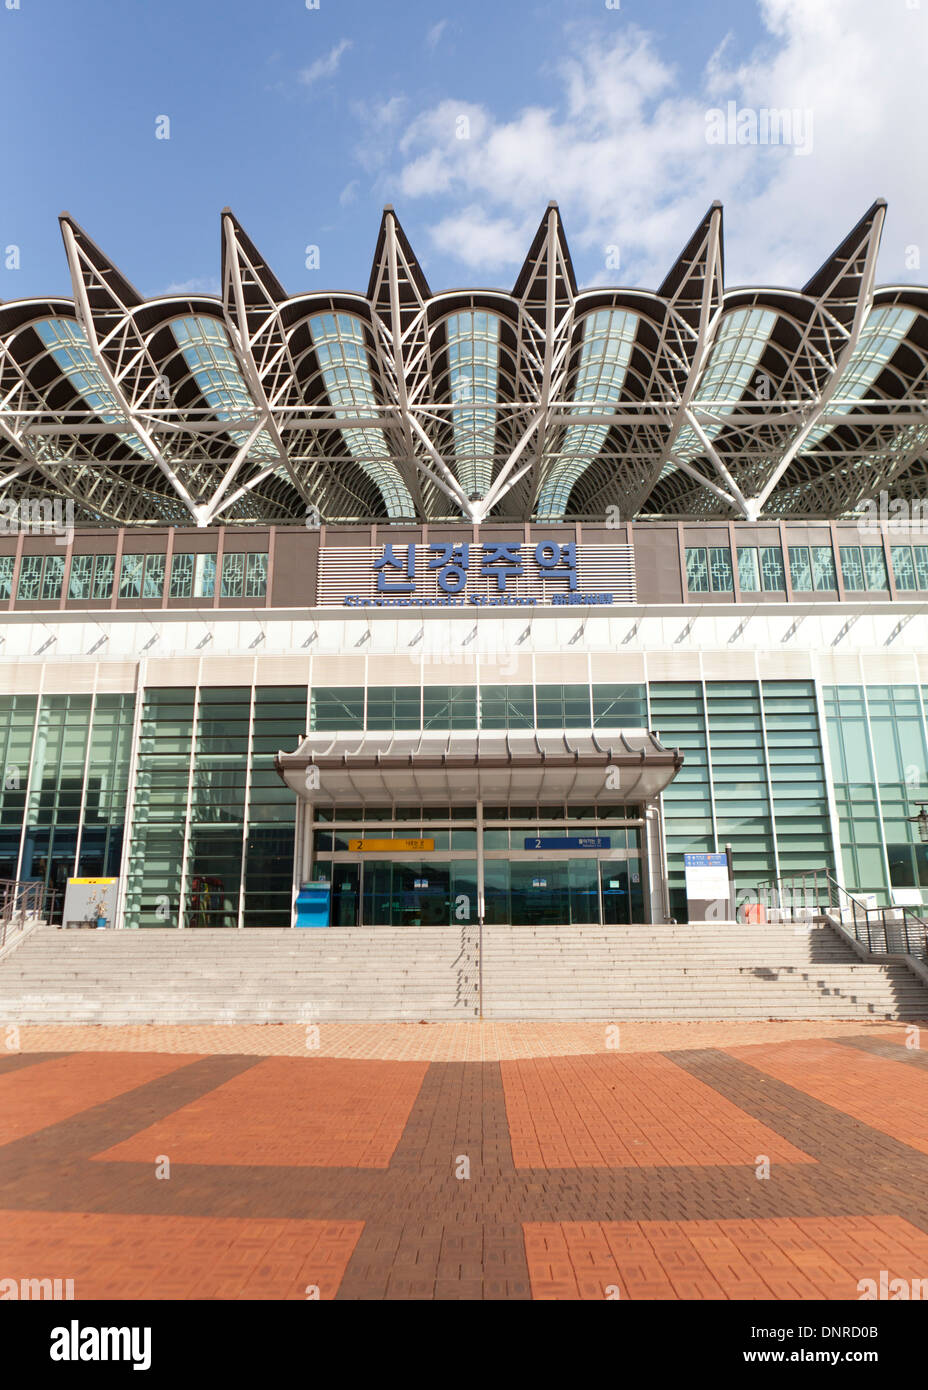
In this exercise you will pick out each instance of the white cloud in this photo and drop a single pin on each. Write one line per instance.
(621, 144)
(200, 284)
(349, 193)
(434, 34)
(478, 241)
(326, 66)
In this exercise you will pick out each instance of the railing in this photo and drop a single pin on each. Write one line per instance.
(19, 902)
(885, 930)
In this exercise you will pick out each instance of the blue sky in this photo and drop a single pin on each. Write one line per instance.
(306, 122)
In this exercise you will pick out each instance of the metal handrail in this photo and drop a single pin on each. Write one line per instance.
(20, 900)
(884, 930)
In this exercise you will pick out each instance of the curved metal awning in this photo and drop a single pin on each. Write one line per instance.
(498, 766)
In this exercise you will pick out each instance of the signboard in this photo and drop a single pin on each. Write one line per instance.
(568, 842)
(907, 897)
(708, 889)
(390, 846)
(492, 573)
(706, 876)
(89, 901)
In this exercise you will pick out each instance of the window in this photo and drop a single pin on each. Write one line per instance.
(244, 575)
(506, 707)
(823, 567)
(141, 576)
(449, 707)
(91, 576)
(182, 576)
(233, 575)
(256, 575)
(204, 576)
(393, 707)
(760, 568)
(153, 583)
(341, 707)
(81, 580)
(800, 568)
(104, 573)
(709, 569)
(130, 576)
(863, 568)
(748, 571)
(812, 567)
(697, 571)
(771, 567)
(6, 576)
(40, 577)
(193, 576)
(910, 566)
(875, 567)
(619, 706)
(921, 565)
(720, 575)
(562, 706)
(53, 576)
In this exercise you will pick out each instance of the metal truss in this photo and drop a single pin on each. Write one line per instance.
(400, 404)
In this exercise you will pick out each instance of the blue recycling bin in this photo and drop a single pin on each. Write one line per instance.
(313, 904)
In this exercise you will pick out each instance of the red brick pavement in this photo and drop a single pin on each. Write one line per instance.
(612, 1111)
(767, 1259)
(575, 1176)
(321, 1112)
(886, 1094)
(177, 1257)
(51, 1091)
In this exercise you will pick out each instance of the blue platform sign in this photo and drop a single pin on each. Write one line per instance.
(705, 861)
(568, 842)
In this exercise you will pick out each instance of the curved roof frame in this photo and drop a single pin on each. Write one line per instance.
(260, 423)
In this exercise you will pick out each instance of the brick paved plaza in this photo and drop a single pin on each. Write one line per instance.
(595, 1170)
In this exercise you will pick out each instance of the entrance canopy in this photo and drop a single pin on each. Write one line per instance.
(496, 766)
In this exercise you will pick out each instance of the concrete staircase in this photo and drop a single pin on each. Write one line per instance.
(696, 971)
(699, 971)
(260, 976)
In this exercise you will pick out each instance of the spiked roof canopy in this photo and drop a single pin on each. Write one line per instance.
(546, 402)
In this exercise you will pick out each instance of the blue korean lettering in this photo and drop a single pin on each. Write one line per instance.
(502, 561)
(451, 561)
(558, 560)
(408, 568)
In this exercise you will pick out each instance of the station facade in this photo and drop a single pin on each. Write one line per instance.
(546, 761)
(470, 604)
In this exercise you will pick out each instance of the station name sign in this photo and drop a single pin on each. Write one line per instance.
(568, 842)
(495, 573)
(407, 846)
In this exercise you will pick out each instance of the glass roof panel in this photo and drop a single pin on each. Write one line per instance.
(739, 345)
(68, 347)
(608, 339)
(341, 352)
(880, 336)
(473, 357)
(208, 353)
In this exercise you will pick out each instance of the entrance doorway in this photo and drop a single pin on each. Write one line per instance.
(421, 866)
(346, 895)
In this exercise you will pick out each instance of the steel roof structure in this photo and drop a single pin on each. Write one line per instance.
(544, 403)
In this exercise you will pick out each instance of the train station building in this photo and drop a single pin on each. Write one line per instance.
(463, 602)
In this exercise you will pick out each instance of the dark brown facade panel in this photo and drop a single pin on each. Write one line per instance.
(296, 558)
(657, 565)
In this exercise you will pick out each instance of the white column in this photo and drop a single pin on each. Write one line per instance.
(481, 908)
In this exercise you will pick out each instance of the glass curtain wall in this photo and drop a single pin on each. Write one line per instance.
(66, 773)
(878, 763)
(206, 758)
(742, 746)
